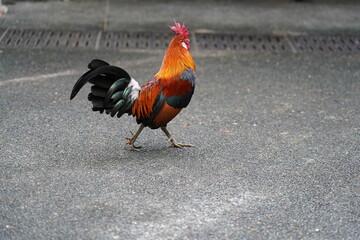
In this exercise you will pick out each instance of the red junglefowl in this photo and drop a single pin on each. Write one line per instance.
(158, 101)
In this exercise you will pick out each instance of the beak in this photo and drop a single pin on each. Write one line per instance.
(188, 40)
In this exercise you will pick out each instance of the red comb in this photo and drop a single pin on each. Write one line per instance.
(179, 29)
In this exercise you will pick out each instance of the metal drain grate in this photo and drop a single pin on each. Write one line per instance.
(2, 31)
(246, 43)
(137, 40)
(31, 38)
(28, 38)
(337, 44)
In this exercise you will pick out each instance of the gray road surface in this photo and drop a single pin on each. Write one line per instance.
(276, 151)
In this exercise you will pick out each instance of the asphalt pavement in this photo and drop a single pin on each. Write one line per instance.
(276, 136)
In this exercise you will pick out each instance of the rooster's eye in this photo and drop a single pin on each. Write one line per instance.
(184, 45)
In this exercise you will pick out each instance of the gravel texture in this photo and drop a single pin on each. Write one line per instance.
(276, 154)
(276, 136)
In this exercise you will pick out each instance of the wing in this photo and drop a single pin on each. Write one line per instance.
(178, 93)
(143, 107)
(154, 113)
(175, 95)
(160, 100)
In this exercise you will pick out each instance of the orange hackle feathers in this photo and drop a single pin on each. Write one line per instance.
(176, 59)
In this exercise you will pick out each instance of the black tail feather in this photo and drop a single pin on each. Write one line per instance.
(101, 110)
(103, 75)
(98, 91)
(109, 82)
(78, 85)
(102, 81)
(98, 102)
(95, 63)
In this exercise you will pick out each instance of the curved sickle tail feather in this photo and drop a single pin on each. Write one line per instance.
(113, 90)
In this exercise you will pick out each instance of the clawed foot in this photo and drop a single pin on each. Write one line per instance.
(131, 143)
(179, 145)
(174, 143)
(132, 140)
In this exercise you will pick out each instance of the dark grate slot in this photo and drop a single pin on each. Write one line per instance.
(242, 42)
(136, 40)
(28, 38)
(331, 44)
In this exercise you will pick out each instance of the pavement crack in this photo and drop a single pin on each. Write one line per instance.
(69, 72)
(39, 77)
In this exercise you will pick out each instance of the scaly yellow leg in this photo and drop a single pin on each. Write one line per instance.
(132, 140)
(174, 143)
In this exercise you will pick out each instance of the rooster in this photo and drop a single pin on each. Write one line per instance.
(154, 104)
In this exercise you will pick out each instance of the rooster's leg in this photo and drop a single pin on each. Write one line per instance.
(132, 140)
(173, 141)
